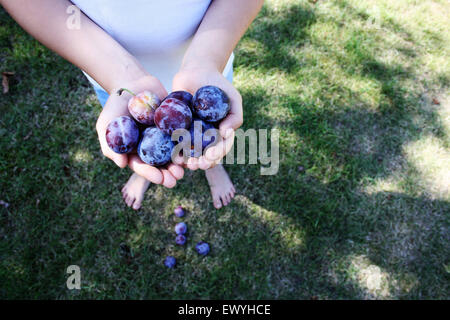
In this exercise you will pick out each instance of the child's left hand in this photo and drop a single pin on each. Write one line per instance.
(192, 78)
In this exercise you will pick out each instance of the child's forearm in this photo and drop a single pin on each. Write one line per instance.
(89, 47)
(222, 27)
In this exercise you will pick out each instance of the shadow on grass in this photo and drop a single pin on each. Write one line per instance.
(326, 200)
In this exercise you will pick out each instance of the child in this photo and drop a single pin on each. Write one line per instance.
(154, 45)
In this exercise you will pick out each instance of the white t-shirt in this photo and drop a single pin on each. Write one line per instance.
(156, 32)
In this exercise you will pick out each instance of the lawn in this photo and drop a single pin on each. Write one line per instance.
(360, 207)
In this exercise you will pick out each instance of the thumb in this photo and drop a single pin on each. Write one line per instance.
(121, 160)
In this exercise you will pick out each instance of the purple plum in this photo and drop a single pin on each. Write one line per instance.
(184, 96)
(211, 103)
(180, 240)
(155, 147)
(122, 134)
(202, 248)
(180, 228)
(200, 140)
(179, 212)
(170, 262)
(173, 114)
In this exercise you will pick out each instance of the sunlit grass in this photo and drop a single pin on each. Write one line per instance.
(371, 277)
(432, 161)
(82, 156)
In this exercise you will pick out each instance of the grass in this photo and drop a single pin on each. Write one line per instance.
(359, 209)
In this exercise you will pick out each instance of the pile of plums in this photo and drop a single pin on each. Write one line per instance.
(181, 228)
(153, 122)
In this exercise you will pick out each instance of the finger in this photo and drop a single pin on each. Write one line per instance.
(204, 164)
(219, 150)
(160, 91)
(169, 180)
(121, 160)
(150, 173)
(192, 163)
(176, 170)
(178, 160)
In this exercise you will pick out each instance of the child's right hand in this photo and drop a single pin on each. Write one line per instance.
(191, 78)
(118, 106)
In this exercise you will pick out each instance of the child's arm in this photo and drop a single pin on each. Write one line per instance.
(94, 51)
(221, 29)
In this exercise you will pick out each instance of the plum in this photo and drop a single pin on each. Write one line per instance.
(180, 240)
(199, 138)
(180, 228)
(184, 96)
(211, 103)
(173, 114)
(179, 212)
(202, 248)
(142, 106)
(122, 134)
(170, 262)
(155, 147)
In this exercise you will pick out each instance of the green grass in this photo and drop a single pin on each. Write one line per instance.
(349, 84)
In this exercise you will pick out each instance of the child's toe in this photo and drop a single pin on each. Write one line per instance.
(137, 204)
(129, 201)
(225, 200)
(217, 203)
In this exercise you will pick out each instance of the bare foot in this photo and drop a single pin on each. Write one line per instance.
(222, 189)
(133, 191)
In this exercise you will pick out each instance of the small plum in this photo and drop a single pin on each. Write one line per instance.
(180, 228)
(142, 106)
(180, 240)
(211, 104)
(179, 212)
(202, 248)
(122, 134)
(173, 114)
(155, 147)
(184, 96)
(170, 262)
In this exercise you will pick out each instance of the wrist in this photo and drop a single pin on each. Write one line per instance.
(135, 86)
(200, 63)
(131, 84)
(128, 75)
